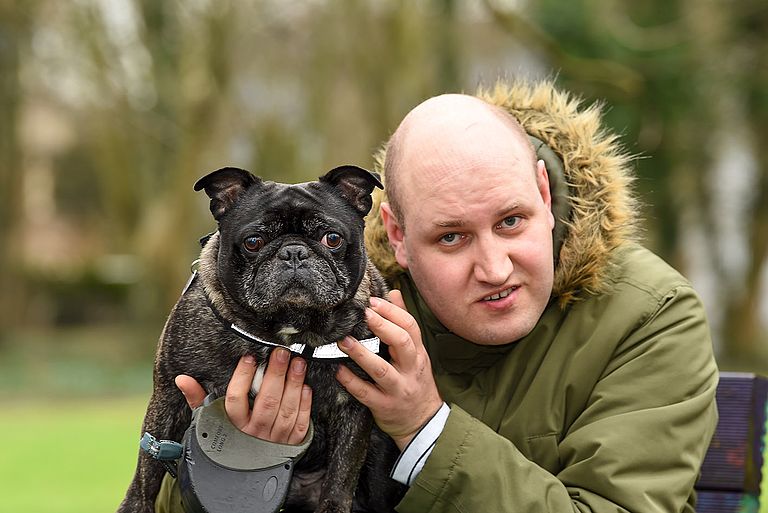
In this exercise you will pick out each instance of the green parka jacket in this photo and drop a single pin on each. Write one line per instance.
(608, 404)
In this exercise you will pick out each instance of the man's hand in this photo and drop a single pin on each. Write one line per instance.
(403, 396)
(281, 409)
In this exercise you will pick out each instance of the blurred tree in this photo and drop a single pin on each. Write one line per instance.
(370, 63)
(159, 93)
(684, 79)
(14, 36)
(160, 68)
(192, 75)
(748, 39)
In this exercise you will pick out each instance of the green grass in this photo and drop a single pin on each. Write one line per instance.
(68, 456)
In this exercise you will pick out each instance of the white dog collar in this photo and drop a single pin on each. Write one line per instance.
(325, 352)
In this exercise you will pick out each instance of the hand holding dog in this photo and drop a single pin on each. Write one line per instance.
(281, 409)
(403, 396)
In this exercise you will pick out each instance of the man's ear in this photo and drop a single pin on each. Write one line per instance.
(224, 186)
(542, 182)
(395, 234)
(355, 185)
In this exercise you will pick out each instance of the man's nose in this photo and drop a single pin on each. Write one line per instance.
(293, 254)
(493, 264)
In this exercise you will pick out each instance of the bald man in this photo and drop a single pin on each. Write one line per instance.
(541, 360)
(478, 244)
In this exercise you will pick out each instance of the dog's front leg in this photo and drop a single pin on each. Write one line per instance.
(166, 419)
(352, 431)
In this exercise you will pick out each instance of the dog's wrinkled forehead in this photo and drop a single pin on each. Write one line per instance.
(342, 187)
(298, 200)
(307, 194)
(307, 209)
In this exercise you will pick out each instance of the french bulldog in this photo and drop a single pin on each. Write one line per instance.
(288, 265)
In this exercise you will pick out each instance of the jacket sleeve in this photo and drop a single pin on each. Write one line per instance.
(168, 499)
(637, 446)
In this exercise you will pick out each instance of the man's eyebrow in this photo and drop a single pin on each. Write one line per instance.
(515, 205)
(458, 223)
(449, 223)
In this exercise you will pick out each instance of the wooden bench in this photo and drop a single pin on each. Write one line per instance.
(732, 475)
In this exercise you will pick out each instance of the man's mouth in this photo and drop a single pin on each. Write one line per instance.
(500, 295)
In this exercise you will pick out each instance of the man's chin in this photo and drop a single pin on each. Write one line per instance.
(493, 340)
(495, 333)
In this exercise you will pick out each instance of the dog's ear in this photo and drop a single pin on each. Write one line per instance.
(224, 186)
(355, 185)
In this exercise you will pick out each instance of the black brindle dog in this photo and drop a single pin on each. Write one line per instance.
(287, 264)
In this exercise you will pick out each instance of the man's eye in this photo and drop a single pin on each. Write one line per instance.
(510, 222)
(450, 239)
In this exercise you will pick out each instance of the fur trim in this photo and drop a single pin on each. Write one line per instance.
(598, 172)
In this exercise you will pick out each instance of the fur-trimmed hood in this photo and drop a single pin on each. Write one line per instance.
(590, 176)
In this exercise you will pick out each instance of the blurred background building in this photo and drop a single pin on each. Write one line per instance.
(111, 109)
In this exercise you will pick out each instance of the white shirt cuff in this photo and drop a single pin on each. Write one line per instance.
(412, 459)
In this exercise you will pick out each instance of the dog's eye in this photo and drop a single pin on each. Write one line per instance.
(253, 243)
(332, 240)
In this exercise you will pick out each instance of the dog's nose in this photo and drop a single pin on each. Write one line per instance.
(293, 254)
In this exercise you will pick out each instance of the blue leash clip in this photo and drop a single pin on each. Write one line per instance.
(165, 451)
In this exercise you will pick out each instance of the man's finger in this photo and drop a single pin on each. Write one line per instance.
(381, 371)
(289, 405)
(364, 391)
(236, 399)
(402, 348)
(394, 311)
(192, 390)
(267, 402)
(396, 298)
(301, 426)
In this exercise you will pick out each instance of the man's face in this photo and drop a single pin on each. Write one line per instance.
(478, 229)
